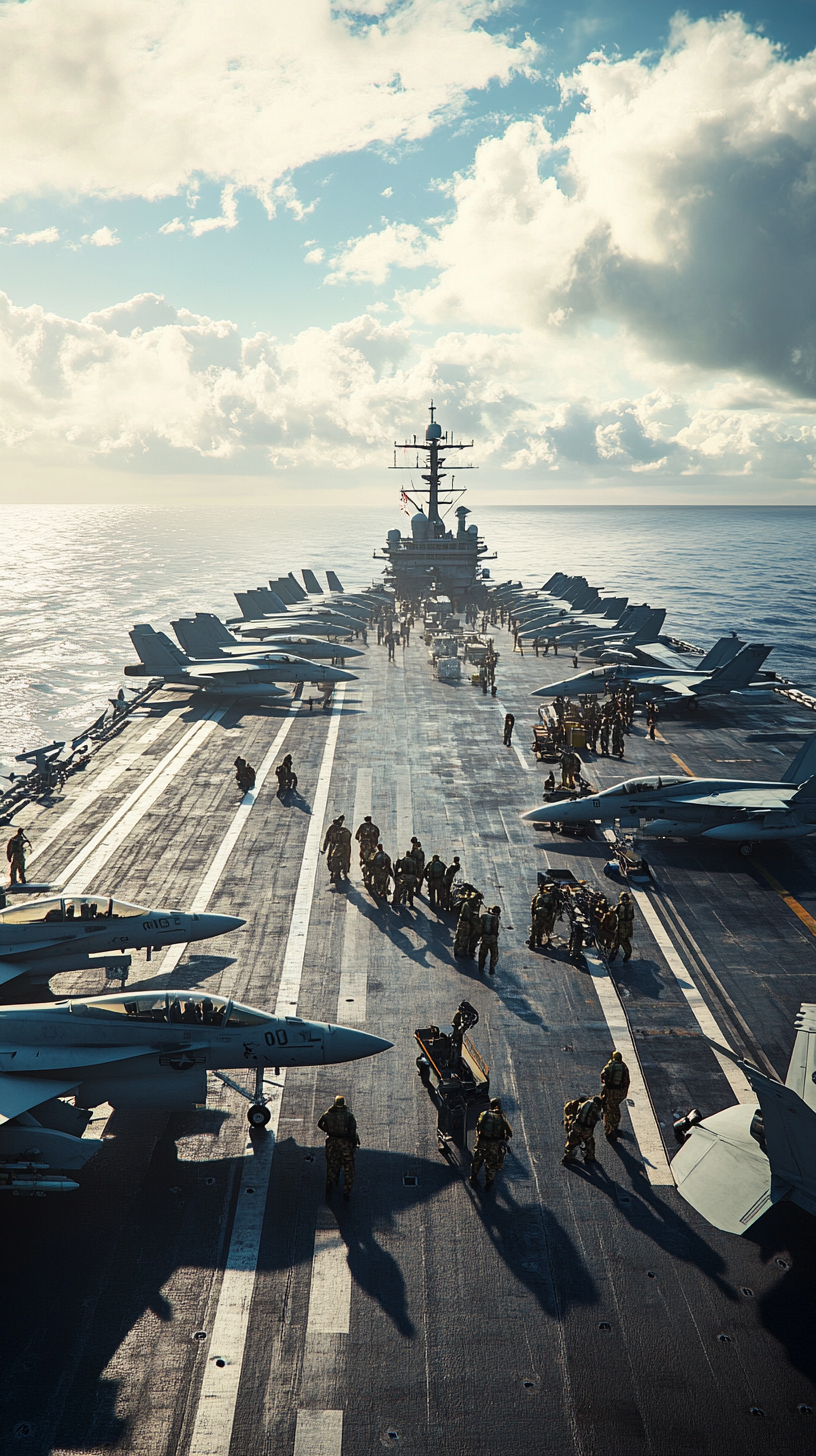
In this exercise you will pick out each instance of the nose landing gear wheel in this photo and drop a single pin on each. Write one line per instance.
(258, 1116)
(746, 848)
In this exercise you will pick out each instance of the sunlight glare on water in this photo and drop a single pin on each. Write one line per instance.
(76, 578)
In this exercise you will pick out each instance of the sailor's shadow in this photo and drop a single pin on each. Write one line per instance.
(535, 1247)
(381, 914)
(646, 1211)
(293, 799)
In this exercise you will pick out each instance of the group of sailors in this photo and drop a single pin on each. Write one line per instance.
(611, 926)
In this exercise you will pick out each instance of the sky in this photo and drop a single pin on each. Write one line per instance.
(241, 247)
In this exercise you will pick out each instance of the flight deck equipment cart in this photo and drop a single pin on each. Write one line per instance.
(631, 864)
(457, 1079)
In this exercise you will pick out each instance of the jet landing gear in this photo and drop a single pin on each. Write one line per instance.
(258, 1115)
(745, 848)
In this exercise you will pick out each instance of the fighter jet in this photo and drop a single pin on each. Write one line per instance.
(147, 1049)
(735, 1165)
(667, 686)
(205, 636)
(731, 810)
(71, 932)
(161, 658)
(264, 604)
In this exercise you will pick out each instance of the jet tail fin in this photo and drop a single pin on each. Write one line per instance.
(739, 671)
(803, 766)
(155, 650)
(214, 628)
(721, 653)
(195, 639)
(649, 630)
(334, 581)
(311, 582)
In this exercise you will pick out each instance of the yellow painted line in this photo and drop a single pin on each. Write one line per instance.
(792, 904)
(680, 764)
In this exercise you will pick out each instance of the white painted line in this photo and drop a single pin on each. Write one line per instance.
(77, 875)
(401, 778)
(519, 755)
(225, 848)
(352, 993)
(101, 782)
(330, 1294)
(697, 1005)
(639, 1106)
(215, 1417)
(699, 1008)
(319, 1433)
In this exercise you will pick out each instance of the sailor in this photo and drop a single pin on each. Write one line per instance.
(604, 736)
(509, 722)
(15, 854)
(450, 875)
(368, 837)
(381, 871)
(653, 715)
(625, 916)
(338, 844)
(405, 880)
(608, 931)
(549, 783)
(581, 1117)
(570, 766)
(615, 1083)
(543, 912)
(467, 923)
(493, 1132)
(435, 876)
(244, 775)
(340, 1126)
(489, 937)
(389, 642)
(287, 778)
(417, 854)
(617, 738)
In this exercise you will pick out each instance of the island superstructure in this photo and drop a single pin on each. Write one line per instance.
(435, 560)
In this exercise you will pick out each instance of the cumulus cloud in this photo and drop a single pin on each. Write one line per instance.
(146, 386)
(244, 93)
(680, 205)
(371, 257)
(45, 235)
(104, 237)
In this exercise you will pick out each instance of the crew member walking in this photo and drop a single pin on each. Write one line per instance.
(340, 1126)
(615, 1083)
(15, 854)
(493, 1132)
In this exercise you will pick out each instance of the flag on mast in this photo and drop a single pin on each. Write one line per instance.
(404, 503)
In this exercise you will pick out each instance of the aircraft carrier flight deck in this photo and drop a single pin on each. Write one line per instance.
(198, 1294)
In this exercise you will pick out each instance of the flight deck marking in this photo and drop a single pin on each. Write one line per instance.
(103, 844)
(353, 990)
(639, 1104)
(799, 910)
(319, 1433)
(102, 781)
(680, 764)
(330, 1292)
(222, 854)
(215, 1415)
(698, 1006)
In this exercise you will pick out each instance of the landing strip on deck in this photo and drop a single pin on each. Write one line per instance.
(567, 1311)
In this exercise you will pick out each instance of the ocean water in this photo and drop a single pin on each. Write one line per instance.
(75, 578)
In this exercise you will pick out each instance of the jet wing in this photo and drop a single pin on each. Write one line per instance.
(20, 1094)
(802, 1070)
(678, 687)
(750, 801)
(722, 1171)
(21, 1060)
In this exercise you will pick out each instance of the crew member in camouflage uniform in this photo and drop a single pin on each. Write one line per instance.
(381, 871)
(489, 937)
(464, 926)
(603, 735)
(368, 837)
(417, 854)
(570, 766)
(625, 912)
(543, 911)
(435, 876)
(340, 1126)
(493, 1133)
(338, 844)
(581, 1117)
(450, 875)
(15, 854)
(615, 1083)
(608, 931)
(617, 738)
(405, 881)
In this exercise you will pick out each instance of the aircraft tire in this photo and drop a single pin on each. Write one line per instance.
(258, 1116)
(746, 848)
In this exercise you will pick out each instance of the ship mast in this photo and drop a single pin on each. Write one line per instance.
(434, 444)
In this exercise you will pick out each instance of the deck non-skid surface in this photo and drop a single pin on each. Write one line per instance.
(566, 1311)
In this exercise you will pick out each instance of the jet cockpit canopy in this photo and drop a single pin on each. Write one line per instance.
(190, 1008)
(647, 784)
(71, 907)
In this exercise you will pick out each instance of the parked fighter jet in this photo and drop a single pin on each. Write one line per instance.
(70, 933)
(733, 810)
(161, 658)
(735, 1165)
(667, 686)
(140, 1050)
(265, 604)
(205, 635)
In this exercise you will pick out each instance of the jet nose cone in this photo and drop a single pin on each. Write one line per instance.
(346, 1044)
(218, 925)
(339, 674)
